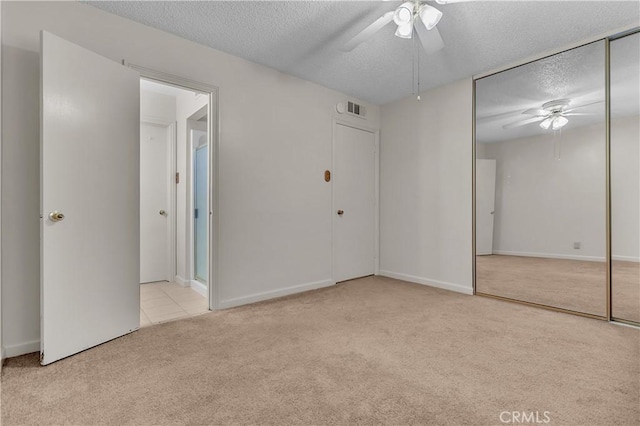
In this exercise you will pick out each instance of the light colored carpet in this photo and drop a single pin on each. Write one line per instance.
(570, 284)
(368, 351)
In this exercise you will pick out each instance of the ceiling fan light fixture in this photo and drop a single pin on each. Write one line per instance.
(546, 123)
(403, 14)
(430, 16)
(559, 122)
(405, 31)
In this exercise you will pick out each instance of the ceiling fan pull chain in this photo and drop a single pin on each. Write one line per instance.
(557, 144)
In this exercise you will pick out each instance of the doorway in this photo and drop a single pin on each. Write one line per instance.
(73, 247)
(355, 202)
(166, 292)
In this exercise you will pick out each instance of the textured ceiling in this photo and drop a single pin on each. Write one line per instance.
(577, 75)
(303, 38)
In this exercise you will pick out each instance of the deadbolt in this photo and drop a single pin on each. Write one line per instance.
(163, 213)
(340, 212)
(56, 216)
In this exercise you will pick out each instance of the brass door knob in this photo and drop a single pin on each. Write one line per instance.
(340, 212)
(56, 216)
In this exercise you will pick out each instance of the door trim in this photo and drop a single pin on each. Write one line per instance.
(376, 218)
(213, 112)
(171, 225)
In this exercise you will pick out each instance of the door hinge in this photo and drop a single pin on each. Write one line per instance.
(178, 177)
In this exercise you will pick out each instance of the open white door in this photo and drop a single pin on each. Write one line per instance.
(90, 118)
(485, 205)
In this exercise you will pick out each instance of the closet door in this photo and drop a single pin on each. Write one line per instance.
(544, 125)
(625, 178)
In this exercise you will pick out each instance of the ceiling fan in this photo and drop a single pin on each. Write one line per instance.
(552, 115)
(410, 16)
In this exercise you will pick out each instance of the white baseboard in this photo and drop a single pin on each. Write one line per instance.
(182, 282)
(21, 349)
(626, 258)
(199, 288)
(458, 288)
(258, 297)
(551, 256)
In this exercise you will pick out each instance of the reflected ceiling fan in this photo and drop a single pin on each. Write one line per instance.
(552, 115)
(410, 16)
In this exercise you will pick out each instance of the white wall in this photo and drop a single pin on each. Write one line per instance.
(275, 143)
(425, 188)
(20, 197)
(625, 188)
(157, 106)
(544, 205)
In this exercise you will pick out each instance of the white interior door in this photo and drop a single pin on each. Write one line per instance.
(90, 171)
(354, 203)
(201, 209)
(155, 209)
(485, 205)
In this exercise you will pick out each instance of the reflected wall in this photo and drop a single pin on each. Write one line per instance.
(541, 182)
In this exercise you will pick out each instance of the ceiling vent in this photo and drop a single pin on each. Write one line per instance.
(356, 109)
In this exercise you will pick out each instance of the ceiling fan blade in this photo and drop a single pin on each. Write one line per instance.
(523, 123)
(376, 26)
(582, 106)
(535, 111)
(572, 114)
(430, 39)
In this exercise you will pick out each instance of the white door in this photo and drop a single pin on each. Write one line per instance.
(155, 209)
(90, 171)
(485, 205)
(201, 210)
(354, 203)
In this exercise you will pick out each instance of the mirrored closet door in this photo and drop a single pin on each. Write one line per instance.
(541, 182)
(625, 178)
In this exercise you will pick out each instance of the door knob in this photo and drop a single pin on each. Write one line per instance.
(163, 213)
(340, 212)
(492, 212)
(56, 216)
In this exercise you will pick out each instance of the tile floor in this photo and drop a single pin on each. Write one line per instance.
(165, 301)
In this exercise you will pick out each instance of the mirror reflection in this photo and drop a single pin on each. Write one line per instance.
(541, 182)
(625, 178)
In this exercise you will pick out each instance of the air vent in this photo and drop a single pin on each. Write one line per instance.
(355, 109)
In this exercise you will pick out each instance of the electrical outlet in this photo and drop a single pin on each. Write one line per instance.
(577, 245)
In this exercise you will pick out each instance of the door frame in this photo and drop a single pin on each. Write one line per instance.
(213, 131)
(172, 223)
(376, 190)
